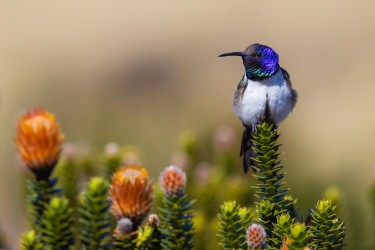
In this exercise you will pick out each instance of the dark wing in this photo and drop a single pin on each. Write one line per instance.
(247, 151)
(246, 140)
(241, 87)
(246, 145)
(289, 82)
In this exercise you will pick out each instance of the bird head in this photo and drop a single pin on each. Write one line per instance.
(260, 61)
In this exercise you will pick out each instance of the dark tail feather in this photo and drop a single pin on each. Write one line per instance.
(246, 150)
(245, 141)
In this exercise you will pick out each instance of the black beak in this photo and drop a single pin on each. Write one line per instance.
(232, 54)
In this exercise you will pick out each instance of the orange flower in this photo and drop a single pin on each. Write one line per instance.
(286, 244)
(39, 141)
(131, 194)
(173, 181)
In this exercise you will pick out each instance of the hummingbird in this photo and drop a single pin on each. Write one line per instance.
(264, 93)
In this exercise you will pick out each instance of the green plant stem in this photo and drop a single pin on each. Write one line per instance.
(57, 225)
(148, 238)
(178, 230)
(95, 222)
(30, 241)
(39, 195)
(232, 230)
(67, 171)
(281, 230)
(267, 217)
(298, 236)
(268, 166)
(267, 172)
(125, 241)
(328, 232)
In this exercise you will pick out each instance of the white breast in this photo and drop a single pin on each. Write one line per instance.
(251, 108)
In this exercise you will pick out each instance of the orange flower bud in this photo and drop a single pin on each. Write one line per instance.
(256, 236)
(131, 194)
(173, 181)
(286, 244)
(153, 220)
(38, 140)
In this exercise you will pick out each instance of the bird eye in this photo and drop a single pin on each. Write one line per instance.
(259, 55)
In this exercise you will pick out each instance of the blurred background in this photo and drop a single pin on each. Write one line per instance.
(141, 73)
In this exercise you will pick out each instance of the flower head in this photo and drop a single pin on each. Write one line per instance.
(286, 244)
(131, 194)
(124, 226)
(153, 220)
(38, 140)
(255, 236)
(173, 181)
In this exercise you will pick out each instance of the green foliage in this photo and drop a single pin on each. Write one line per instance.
(268, 166)
(53, 220)
(372, 204)
(57, 225)
(95, 223)
(112, 162)
(298, 236)
(276, 210)
(267, 172)
(232, 186)
(39, 194)
(127, 241)
(154, 223)
(144, 237)
(232, 225)
(212, 164)
(67, 171)
(290, 206)
(178, 230)
(333, 194)
(328, 232)
(29, 241)
(268, 213)
(247, 216)
(148, 238)
(281, 230)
